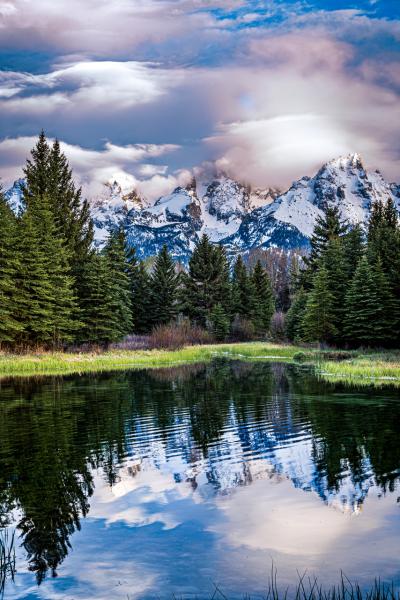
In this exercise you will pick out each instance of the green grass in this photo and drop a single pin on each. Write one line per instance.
(368, 368)
(66, 363)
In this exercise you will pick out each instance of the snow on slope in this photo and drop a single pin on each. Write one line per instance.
(14, 195)
(233, 214)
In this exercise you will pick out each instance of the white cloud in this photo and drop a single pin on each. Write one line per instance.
(94, 168)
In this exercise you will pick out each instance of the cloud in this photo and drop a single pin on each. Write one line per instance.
(102, 27)
(269, 102)
(93, 168)
(90, 85)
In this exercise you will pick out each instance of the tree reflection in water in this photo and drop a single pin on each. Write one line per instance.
(221, 419)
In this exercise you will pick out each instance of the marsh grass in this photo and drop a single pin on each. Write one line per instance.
(68, 363)
(368, 368)
(309, 588)
(349, 367)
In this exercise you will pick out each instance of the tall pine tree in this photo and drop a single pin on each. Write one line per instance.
(141, 301)
(164, 289)
(10, 267)
(117, 257)
(207, 282)
(264, 303)
(319, 312)
(361, 307)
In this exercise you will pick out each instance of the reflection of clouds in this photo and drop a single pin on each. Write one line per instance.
(289, 524)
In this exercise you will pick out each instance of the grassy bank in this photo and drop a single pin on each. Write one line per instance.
(366, 369)
(64, 363)
(359, 368)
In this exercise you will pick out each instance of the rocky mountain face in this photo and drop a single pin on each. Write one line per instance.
(236, 216)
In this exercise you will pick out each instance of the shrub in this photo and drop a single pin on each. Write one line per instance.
(243, 329)
(178, 335)
(302, 356)
(277, 326)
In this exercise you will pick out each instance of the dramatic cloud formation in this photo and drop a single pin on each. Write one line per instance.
(144, 90)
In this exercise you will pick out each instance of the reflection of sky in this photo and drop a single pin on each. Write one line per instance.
(154, 533)
(151, 536)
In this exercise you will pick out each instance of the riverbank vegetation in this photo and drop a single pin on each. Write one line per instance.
(366, 368)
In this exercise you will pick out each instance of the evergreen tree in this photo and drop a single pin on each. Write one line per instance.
(243, 292)
(48, 305)
(219, 322)
(164, 289)
(140, 294)
(72, 215)
(384, 242)
(100, 322)
(354, 249)
(207, 282)
(116, 254)
(328, 227)
(37, 171)
(361, 306)
(264, 304)
(9, 269)
(295, 316)
(387, 315)
(47, 174)
(335, 263)
(319, 312)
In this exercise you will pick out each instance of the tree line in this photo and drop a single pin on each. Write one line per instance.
(56, 289)
(348, 293)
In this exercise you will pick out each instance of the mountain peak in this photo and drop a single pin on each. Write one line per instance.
(352, 160)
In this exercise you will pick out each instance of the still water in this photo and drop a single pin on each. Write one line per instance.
(145, 484)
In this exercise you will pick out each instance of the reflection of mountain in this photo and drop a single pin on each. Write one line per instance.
(214, 428)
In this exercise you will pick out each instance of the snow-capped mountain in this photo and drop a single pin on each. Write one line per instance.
(14, 196)
(233, 214)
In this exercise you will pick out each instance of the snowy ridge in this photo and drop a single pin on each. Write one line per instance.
(234, 215)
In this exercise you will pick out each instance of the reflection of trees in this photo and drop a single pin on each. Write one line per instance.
(218, 418)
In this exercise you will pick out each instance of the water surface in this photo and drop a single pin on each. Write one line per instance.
(145, 484)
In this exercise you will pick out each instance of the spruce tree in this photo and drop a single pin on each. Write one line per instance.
(10, 266)
(334, 260)
(164, 289)
(319, 312)
(48, 309)
(384, 242)
(328, 227)
(243, 292)
(387, 315)
(140, 294)
(100, 322)
(264, 304)
(37, 171)
(207, 282)
(354, 248)
(295, 316)
(361, 306)
(116, 255)
(219, 322)
(47, 174)
(72, 214)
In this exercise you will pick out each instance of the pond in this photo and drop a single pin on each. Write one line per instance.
(155, 483)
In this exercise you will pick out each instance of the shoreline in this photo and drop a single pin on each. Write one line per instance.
(361, 368)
